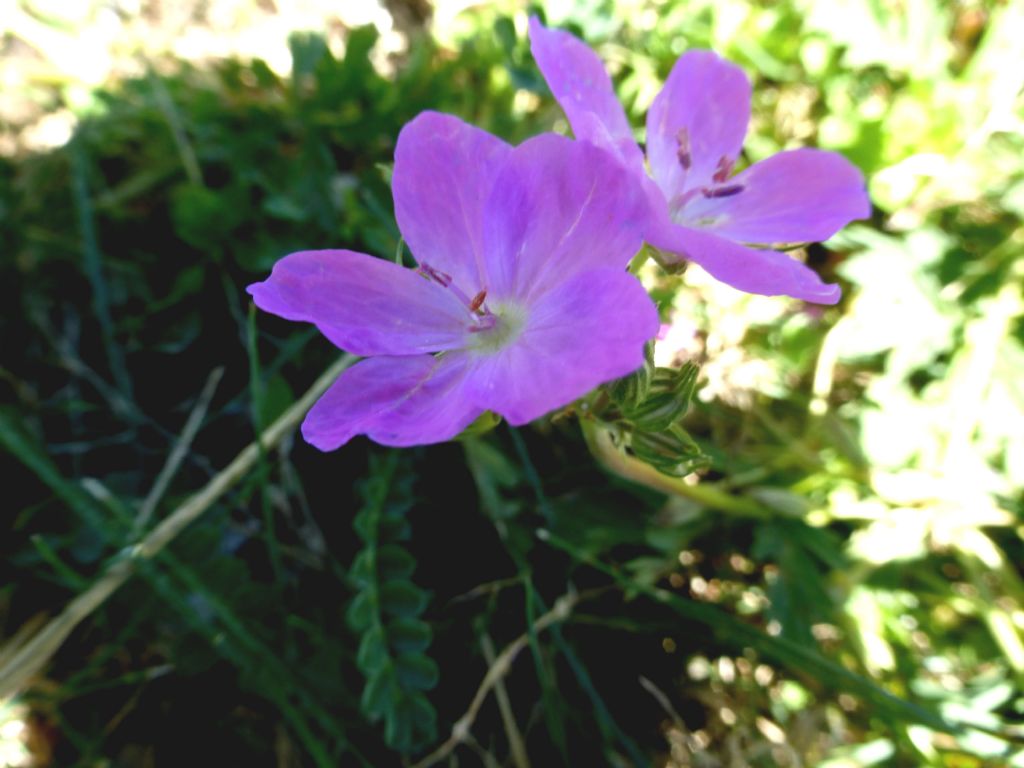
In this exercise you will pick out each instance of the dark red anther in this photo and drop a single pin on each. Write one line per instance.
(683, 152)
(478, 301)
(729, 191)
(443, 278)
(723, 170)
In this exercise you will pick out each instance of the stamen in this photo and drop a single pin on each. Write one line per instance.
(478, 301)
(443, 278)
(723, 170)
(482, 316)
(729, 191)
(683, 152)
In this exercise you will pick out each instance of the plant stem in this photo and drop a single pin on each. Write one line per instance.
(19, 664)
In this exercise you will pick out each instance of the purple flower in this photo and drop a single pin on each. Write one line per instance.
(520, 303)
(695, 131)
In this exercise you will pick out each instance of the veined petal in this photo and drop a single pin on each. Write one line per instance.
(697, 123)
(586, 331)
(395, 401)
(581, 86)
(624, 149)
(766, 272)
(364, 305)
(804, 195)
(559, 207)
(444, 169)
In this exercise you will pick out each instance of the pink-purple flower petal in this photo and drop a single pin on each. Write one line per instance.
(559, 207)
(803, 195)
(364, 305)
(581, 86)
(397, 401)
(753, 270)
(444, 169)
(586, 331)
(696, 124)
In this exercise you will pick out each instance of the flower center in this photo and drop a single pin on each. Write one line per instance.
(490, 329)
(506, 322)
(687, 207)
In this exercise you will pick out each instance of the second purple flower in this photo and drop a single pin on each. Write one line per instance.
(695, 131)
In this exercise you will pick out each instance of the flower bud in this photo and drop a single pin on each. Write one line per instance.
(631, 390)
(666, 401)
(671, 451)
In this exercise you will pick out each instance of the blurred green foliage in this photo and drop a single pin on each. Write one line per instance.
(843, 586)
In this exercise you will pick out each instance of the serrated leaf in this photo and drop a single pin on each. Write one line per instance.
(402, 598)
(409, 635)
(417, 671)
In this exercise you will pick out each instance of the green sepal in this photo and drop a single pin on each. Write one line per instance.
(483, 424)
(671, 263)
(667, 400)
(671, 451)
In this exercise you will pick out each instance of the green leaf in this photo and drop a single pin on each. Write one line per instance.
(276, 398)
(373, 652)
(362, 571)
(394, 562)
(379, 694)
(409, 635)
(402, 598)
(417, 671)
(398, 730)
(360, 614)
(412, 721)
(424, 716)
